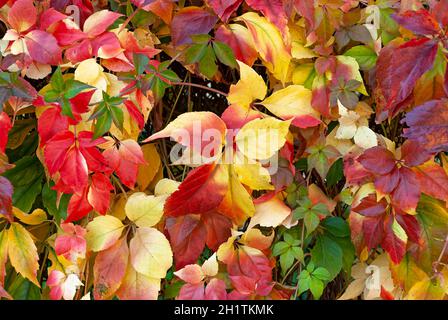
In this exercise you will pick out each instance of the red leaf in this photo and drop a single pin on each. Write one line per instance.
(428, 125)
(224, 8)
(407, 194)
(411, 225)
(109, 269)
(56, 150)
(99, 193)
(187, 237)
(98, 23)
(369, 207)
(394, 246)
(387, 183)
(433, 180)
(373, 230)
(413, 154)
(78, 207)
(22, 15)
(240, 42)
(420, 22)
(74, 171)
(50, 123)
(5, 126)
(354, 172)
(6, 191)
(273, 10)
(66, 34)
(72, 243)
(192, 292)
(190, 21)
(306, 9)
(216, 290)
(94, 158)
(194, 195)
(378, 160)
(80, 103)
(135, 113)
(440, 12)
(50, 17)
(43, 47)
(399, 68)
(218, 229)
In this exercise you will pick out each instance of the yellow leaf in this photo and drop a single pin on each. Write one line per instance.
(250, 87)
(210, 266)
(150, 252)
(261, 138)
(166, 187)
(103, 232)
(301, 73)
(148, 171)
(252, 173)
(35, 218)
(23, 252)
(144, 210)
(293, 102)
(237, 203)
(137, 286)
(270, 213)
(269, 43)
(3, 254)
(117, 208)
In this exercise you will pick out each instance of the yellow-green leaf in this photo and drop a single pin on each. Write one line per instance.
(103, 232)
(23, 252)
(150, 252)
(144, 210)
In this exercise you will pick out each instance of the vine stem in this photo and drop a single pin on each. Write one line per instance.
(126, 22)
(189, 84)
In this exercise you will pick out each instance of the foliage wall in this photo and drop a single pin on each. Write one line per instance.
(223, 149)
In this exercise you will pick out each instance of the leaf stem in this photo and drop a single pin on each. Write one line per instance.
(190, 84)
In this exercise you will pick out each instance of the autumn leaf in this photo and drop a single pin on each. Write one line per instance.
(103, 232)
(22, 252)
(110, 269)
(396, 84)
(150, 253)
(144, 210)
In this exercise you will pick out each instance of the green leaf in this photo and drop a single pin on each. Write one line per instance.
(140, 62)
(321, 274)
(311, 221)
(336, 173)
(207, 65)
(57, 81)
(280, 248)
(170, 75)
(298, 253)
(50, 201)
(26, 177)
(328, 254)
(102, 125)
(66, 108)
(22, 289)
(321, 208)
(336, 226)
(316, 287)
(286, 261)
(225, 54)
(195, 53)
(75, 87)
(51, 96)
(304, 282)
(117, 116)
(201, 38)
